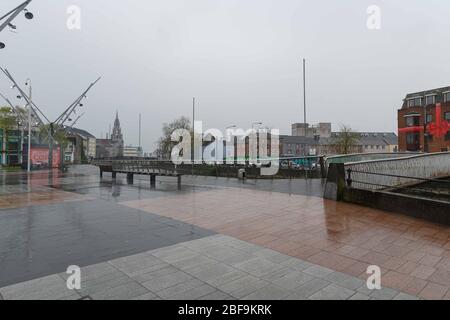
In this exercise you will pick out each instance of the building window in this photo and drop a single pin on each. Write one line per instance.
(430, 100)
(415, 102)
(412, 121)
(447, 116)
(447, 136)
(447, 97)
(412, 138)
(429, 118)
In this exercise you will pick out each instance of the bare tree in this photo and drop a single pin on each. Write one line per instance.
(165, 144)
(346, 140)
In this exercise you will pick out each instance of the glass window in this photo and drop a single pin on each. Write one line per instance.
(415, 102)
(412, 138)
(430, 100)
(412, 121)
(447, 116)
(447, 97)
(429, 118)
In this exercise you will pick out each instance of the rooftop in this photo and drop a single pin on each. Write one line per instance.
(427, 92)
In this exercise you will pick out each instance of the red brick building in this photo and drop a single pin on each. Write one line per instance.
(424, 121)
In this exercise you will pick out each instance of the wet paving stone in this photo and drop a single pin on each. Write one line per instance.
(46, 239)
(215, 237)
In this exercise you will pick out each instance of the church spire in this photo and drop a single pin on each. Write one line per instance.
(117, 132)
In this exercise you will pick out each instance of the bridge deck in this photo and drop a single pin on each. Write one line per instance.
(141, 167)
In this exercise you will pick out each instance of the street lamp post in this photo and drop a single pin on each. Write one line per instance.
(63, 117)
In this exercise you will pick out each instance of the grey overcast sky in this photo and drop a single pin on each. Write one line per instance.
(240, 58)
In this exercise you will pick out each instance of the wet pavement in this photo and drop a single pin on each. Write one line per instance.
(50, 222)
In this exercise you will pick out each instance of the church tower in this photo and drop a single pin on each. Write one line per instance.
(117, 138)
(117, 132)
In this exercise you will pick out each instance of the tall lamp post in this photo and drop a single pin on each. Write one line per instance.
(60, 121)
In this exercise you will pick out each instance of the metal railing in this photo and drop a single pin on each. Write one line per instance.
(139, 166)
(399, 173)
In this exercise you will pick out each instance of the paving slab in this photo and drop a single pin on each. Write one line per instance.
(307, 289)
(269, 292)
(52, 287)
(128, 290)
(166, 281)
(333, 292)
(243, 286)
(178, 272)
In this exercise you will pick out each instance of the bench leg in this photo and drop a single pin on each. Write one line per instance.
(179, 182)
(114, 174)
(129, 178)
(101, 173)
(152, 181)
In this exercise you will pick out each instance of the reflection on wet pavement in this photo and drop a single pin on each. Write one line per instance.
(48, 222)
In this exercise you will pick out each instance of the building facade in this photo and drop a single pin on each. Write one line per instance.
(132, 152)
(322, 129)
(423, 121)
(81, 145)
(11, 142)
(320, 140)
(112, 147)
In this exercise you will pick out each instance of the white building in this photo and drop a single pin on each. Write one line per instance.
(132, 152)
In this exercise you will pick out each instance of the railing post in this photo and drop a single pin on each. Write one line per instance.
(130, 178)
(323, 173)
(153, 181)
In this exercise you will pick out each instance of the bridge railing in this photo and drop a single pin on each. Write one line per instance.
(144, 166)
(389, 173)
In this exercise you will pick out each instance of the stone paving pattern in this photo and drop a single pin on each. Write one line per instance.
(213, 239)
(216, 267)
(414, 255)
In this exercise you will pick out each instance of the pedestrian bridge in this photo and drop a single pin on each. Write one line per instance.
(142, 167)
